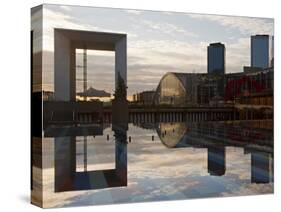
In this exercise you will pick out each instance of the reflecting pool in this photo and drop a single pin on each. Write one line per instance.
(158, 161)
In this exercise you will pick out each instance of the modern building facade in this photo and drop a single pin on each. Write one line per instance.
(261, 51)
(187, 89)
(253, 83)
(144, 98)
(177, 89)
(190, 89)
(216, 58)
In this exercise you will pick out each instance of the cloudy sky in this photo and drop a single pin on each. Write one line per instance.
(158, 42)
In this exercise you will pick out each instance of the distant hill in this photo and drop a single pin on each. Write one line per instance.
(92, 92)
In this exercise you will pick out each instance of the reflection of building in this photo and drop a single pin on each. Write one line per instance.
(255, 137)
(216, 160)
(171, 133)
(145, 97)
(261, 51)
(260, 167)
(216, 58)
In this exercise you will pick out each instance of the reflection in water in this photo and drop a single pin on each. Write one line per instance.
(161, 161)
(261, 170)
(216, 160)
(68, 179)
(66, 176)
(256, 137)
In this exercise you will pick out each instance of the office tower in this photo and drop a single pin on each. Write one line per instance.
(261, 51)
(216, 58)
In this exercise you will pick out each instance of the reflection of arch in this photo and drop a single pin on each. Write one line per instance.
(177, 96)
(171, 134)
(68, 179)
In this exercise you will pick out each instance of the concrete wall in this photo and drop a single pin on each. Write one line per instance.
(64, 80)
(121, 60)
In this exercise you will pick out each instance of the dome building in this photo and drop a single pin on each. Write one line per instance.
(177, 89)
(187, 89)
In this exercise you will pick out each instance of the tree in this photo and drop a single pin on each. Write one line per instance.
(121, 89)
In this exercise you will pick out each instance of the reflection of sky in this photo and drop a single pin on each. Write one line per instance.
(158, 42)
(157, 173)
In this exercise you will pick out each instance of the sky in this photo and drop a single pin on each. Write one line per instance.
(157, 42)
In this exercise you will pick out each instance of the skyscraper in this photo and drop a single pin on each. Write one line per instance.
(261, 51)
(216, 58)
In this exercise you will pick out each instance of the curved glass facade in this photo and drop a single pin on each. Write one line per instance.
(170, 91)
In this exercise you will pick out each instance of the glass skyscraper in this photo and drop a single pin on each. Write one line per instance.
(261, 51)
(216, 58)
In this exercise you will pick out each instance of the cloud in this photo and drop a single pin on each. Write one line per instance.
(167, 52)
(54, 19)
(59, 19)
(157, 57)
(246, 25)
(237, 55)
(168, 28)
